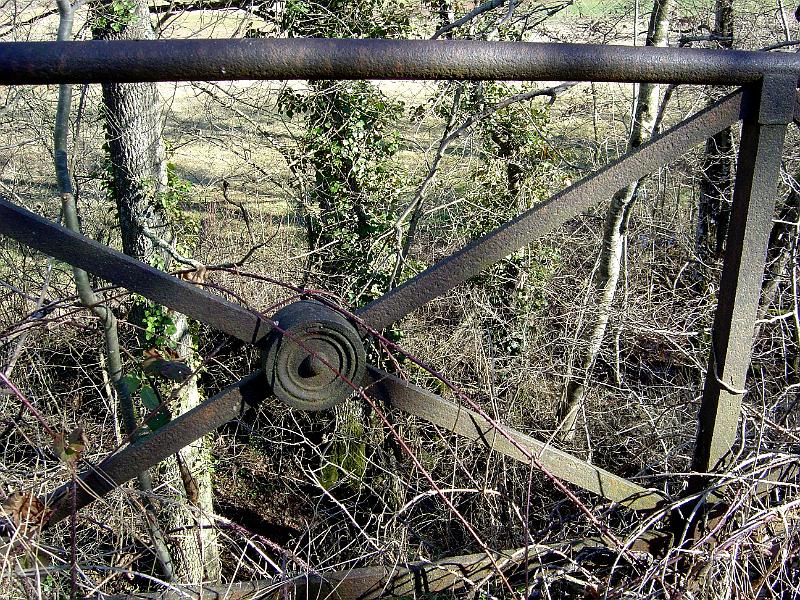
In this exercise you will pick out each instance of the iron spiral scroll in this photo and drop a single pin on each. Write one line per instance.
(312, 353)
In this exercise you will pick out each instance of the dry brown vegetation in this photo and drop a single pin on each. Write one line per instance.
(278, 509)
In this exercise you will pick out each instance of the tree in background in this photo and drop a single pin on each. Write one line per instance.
(716, 182)
(614, 235)
(348, 191)
(89, 299)
(148, 205)
(341, 163)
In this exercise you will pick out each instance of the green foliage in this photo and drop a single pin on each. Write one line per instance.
(346, 18)
(343, 164)
(131, 385)
(515, 152)
(151, 402)
(159, 327)
(516, 172)
(342, 161)
(173, 202)
(114, 16)
(347, 454)
(69, 446)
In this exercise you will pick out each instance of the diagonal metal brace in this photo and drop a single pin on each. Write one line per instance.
(120, 269)
(148, 451)
(543, 218)
(469, 424)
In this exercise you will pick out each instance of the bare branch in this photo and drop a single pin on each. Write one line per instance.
(712, 37)
(477, 11)
(169, 249)
(785, 44)
(415, 206)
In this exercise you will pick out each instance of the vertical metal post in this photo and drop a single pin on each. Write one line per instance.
(760, 150)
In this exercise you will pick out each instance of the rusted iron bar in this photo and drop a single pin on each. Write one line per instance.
(419, 579)
(190, 60)
(124, 465)
(120, 269)
(755, 189)
(235, 320)
(469, 424)
(543, 218)
(148, 451)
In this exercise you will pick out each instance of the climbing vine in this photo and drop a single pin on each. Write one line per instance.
(344, 163)
(114, 16)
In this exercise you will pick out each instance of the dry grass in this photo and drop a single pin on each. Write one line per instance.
(274, 514)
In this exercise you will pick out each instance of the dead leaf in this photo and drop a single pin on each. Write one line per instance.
(24, 510)
(198, 276)
(69, 447)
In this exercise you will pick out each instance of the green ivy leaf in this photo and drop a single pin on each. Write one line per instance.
(151, 403)
(129, 384)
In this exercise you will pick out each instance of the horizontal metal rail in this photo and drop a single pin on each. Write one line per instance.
(216, 60)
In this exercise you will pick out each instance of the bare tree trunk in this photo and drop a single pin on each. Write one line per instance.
(716, 185)
(89, 298)
(614, 233)
(138, 181)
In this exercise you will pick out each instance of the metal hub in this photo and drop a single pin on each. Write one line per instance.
(314, 358)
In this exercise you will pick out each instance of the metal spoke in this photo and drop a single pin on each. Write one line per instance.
(148, 451)
(124, 465)
(453, 417)
(543, 218)
(120, 269)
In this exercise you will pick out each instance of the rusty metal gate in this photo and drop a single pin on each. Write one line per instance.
(313, 352)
